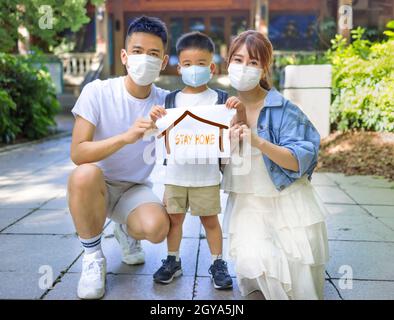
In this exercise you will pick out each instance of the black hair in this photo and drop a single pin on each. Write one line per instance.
(150, 25)
(195, 40)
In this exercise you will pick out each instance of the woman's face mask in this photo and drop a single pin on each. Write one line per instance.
(196, 76)
(244, 78)
(143, 69)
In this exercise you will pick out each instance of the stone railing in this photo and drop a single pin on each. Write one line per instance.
(80, 68)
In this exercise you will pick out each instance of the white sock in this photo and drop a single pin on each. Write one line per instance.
(174, 254)
(215, 257)
(91, 245)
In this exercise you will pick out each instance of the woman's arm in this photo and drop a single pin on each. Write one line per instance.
(280, 155)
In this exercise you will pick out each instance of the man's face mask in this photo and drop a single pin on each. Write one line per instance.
(143, 69)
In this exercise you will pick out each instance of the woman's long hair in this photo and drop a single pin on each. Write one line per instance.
(259, 47)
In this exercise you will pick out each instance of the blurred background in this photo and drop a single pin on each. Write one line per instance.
(49, 50)
(303, 25)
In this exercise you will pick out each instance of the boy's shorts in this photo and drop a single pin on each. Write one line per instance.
(203, 201)
(123, 197)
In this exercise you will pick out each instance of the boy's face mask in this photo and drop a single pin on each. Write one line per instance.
(143, 69)
(196, 76)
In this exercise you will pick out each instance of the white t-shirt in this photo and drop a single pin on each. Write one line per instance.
(112, 110)
(194, 175)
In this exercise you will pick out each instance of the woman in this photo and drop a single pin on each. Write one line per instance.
(277, 234)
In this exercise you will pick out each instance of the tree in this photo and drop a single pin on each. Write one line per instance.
(44, 21)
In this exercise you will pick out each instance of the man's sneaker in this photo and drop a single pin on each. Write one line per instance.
(92, 282)
(220, 276)
(168, 271)
(132, 252)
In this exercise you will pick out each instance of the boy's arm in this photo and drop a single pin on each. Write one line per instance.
(85, 150)
(157, 112)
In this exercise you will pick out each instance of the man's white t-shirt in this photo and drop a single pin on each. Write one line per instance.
(112, 110)
(189, 174)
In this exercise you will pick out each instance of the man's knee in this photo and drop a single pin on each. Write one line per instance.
(156, 232)
(84, 177)
(156, 228)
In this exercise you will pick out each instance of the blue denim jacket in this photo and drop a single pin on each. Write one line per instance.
(284, 124)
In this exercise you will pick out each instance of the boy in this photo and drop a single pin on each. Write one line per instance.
(193, 185)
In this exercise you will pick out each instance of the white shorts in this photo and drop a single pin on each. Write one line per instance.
(123, 197)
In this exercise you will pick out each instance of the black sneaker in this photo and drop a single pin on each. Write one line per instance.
(220, 276)
(168, 271)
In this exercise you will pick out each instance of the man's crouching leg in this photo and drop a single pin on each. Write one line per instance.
(87, 203)
(149, 221)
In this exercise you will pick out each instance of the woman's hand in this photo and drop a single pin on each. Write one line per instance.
(235, 137)
(280, 155)
(250, 136)
(157, 112)
(237, 104)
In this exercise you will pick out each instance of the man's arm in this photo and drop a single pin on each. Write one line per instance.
(85, 150)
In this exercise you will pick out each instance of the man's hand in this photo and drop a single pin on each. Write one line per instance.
(237, 104)
(157, 112)
(138, 129)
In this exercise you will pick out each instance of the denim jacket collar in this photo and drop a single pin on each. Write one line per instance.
(273, 98)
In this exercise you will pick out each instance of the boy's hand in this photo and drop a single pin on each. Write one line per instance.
(138, 129)
(157, 112)
(235, 103)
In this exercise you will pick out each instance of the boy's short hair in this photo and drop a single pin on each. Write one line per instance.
(150, 25)
(195, 40)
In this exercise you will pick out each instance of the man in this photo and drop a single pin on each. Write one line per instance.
(111, 180)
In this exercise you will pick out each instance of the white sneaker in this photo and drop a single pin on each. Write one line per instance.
(132, 252)
(92, 282)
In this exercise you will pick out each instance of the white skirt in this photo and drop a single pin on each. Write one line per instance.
(278, 244)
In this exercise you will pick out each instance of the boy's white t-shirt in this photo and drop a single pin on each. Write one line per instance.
(112, 110)
(194, 175)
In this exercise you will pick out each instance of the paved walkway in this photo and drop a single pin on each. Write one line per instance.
(37, 236)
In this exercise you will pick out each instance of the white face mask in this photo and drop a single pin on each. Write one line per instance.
(143, 69)
(244, 78)
(196, 76)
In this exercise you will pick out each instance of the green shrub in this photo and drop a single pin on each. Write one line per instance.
(28, 101)
(8, 124)
(363, 82)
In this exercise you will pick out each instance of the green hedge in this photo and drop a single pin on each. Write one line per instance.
(363, 83)
(28, 101)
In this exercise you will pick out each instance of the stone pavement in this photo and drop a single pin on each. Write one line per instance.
(37, 236)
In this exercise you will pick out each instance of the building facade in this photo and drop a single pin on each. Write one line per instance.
(290, 25)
